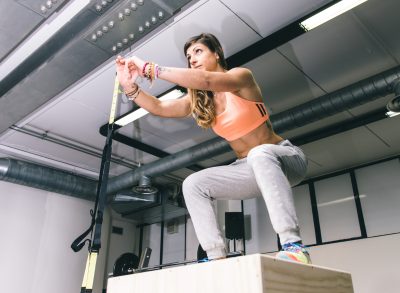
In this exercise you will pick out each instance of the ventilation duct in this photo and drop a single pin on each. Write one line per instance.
(47, 178)
(349, 97)
(140, 196)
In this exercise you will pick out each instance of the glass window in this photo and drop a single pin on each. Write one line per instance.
(379, 188)
(336, 208)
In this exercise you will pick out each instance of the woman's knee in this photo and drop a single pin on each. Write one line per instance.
(192, 184)
(264, 151)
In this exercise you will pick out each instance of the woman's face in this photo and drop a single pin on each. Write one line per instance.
(201, 57)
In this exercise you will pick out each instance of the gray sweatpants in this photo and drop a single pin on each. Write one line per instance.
(269, 171)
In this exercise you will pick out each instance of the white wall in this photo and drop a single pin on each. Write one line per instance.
(373, 262)
(37, 228)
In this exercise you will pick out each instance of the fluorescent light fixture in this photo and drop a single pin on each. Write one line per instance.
(172, 95)
(391, 114)
(329, 13)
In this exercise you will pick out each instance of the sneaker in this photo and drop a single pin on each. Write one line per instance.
(295, 252)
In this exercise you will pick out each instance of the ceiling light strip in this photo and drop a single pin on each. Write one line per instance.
(172, 95)
(330, 13)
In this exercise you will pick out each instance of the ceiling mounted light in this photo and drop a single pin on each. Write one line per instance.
(133, 6)
(330, 13)
(172, 95)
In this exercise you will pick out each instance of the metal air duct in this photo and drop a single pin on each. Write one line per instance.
(47, 178)
(349, 97)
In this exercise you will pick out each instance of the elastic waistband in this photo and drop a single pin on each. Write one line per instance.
(285, 142)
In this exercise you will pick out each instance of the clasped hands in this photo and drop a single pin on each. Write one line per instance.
(128, 70)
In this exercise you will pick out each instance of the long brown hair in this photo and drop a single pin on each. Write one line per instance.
(202, 102)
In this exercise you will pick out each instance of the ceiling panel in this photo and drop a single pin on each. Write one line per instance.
(16, 21)
(283, 86)
(71, 120)
(166, 48)
(384, 30)
(338, 53)
(388, 130)
(344, 150)
(268, 16)
(53, 151)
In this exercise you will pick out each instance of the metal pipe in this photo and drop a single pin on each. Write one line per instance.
(47, 178)
(349, 97)
(205, 150)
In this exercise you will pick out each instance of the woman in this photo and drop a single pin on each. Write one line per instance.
(229, 102)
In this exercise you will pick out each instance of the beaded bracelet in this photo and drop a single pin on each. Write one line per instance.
(151, 71)
(132, 95)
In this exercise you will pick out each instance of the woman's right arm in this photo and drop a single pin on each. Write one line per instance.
(168, 108)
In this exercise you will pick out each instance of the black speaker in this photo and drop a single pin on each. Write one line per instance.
(234, 225)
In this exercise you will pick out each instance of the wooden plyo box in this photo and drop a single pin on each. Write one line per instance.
(246, 274)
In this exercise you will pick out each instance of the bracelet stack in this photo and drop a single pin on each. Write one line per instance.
(151, 71)
(132, 95)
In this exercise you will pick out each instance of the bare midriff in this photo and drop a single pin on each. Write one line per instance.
(261, 135)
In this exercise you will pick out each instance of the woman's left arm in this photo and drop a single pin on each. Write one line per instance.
(229, 81)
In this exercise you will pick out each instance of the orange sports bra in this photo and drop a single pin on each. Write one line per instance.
(239, 117)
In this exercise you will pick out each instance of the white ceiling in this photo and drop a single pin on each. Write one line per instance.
(349, 48)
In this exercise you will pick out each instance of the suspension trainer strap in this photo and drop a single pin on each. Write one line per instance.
(98, 212)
